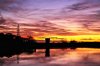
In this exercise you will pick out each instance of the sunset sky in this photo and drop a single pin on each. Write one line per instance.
(69, 19)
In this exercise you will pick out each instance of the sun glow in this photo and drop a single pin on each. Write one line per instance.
(79, 38)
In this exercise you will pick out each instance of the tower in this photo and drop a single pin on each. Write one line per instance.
(18, 34)
(18, 30)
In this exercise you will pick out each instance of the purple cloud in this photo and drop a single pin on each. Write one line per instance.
(84, 4)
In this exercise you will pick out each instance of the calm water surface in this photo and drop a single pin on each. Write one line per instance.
(59, 57)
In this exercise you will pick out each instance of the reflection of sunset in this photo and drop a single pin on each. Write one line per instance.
(88, 50)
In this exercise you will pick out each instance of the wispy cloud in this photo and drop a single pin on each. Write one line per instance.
(84, 4)
(75, 18)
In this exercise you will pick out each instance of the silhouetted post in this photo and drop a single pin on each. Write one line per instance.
(47, 51)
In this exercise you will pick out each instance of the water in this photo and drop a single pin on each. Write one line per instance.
(59, 57)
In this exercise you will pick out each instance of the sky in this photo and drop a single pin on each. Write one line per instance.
(68, 19)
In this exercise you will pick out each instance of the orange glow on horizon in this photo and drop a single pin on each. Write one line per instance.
(79, 38)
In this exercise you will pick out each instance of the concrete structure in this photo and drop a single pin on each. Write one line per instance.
(47, 51)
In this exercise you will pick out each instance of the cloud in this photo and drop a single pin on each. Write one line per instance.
(96, 29)
(10, 5)
(3, 27)
(77, 17)
(84, 12)
(45, 27)
(78, 6)
(84, 4)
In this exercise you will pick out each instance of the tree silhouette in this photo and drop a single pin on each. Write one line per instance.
(14, 45)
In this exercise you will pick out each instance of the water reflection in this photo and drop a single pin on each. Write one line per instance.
(67, 57)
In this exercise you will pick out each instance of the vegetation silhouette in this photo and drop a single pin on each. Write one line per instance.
(14, 45)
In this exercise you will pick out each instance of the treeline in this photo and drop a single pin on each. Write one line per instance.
(14, 45)
(65, 45)
(75, 44)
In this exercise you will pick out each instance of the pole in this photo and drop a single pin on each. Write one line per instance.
(18, 30)
(18, 34)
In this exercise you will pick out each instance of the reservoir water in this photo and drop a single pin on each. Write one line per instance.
(59, 57)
